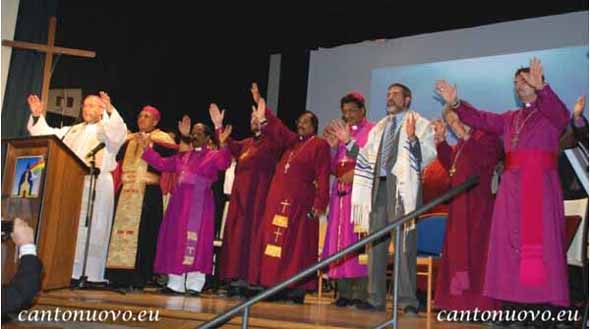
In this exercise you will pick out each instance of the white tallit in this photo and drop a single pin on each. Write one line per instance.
(406, 168)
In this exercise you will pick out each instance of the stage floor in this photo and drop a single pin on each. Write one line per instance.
(179, 312)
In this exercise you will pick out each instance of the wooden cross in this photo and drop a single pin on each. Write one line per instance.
(49, 49)
(277, 234)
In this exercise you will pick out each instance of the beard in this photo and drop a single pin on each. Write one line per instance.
(393, 109)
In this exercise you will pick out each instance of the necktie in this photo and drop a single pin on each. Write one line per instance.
(388, 144)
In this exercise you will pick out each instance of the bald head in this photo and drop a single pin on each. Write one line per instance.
(92, 109)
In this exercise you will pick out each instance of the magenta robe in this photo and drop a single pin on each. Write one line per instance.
(191, 208)
(288, 241)
(460, 278)
(504, 279)
(340, 232)
(256, 160)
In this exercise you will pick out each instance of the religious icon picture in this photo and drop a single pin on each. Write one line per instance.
(27, 176)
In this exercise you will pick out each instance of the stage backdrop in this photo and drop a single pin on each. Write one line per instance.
(335, 71)
(486, 82)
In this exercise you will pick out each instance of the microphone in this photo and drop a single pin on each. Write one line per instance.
(95, 150)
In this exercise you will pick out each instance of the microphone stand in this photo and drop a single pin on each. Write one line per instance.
(83, 281)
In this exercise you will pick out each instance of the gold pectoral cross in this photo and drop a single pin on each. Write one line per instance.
(515, 140)
(452, 171)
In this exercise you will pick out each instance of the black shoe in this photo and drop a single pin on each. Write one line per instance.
(296, 300)
(355, 302)
(252, 291)
(296, 296)
(96, 285)
(365, 306)
(193, 293)
(135, 289)
(342, 302)
(168, 291)
(411, 311)
(237, 291)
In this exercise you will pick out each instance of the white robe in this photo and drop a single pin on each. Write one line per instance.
(81, 138)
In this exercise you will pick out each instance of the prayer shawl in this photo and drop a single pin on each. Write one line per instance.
(406, 168)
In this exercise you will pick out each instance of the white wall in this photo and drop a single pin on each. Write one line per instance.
(9, 12)
(335, 71)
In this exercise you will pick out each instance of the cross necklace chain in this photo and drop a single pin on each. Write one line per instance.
(453, 166)
(293, 154)
(517, 129)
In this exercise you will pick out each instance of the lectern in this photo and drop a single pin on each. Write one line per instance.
(42, 183)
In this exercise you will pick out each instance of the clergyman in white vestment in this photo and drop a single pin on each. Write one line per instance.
(102, 124)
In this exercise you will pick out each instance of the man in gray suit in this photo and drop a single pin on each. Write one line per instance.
(386, 206)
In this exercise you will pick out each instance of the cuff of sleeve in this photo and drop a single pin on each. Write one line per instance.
(27, 249)
(186, 139)
(579, 122)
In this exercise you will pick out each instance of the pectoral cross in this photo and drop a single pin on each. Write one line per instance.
(190, 250)
(515, 141)
(452, 172)
(277, 234)
(285, 204)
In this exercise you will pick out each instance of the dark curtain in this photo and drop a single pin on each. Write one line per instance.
(293, 85)
(25, 75)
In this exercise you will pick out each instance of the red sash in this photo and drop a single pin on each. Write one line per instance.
(532, 165)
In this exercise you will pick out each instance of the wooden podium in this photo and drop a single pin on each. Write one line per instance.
(42, 183)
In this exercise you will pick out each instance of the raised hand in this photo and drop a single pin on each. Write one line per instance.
(330, 137)
(535, 75)
(259, 111)
(184, 126)
(411, 126)
(35, 105)
(447, 91)
(340, 129)
(225, 134)
(440, 131)
(579, 106)
(106, 99)
(216, 115)
(255, 92)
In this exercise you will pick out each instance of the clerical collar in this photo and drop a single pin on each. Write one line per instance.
(198, 149)
(359, 125)
(304, 138)
(527, 105)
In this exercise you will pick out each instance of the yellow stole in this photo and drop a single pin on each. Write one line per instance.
(135, 176)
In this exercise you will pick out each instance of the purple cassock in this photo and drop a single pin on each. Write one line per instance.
(527, 249)
(185, 241)
(340, 232)
(462, 267)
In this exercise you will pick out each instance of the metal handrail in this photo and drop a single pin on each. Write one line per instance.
(224, 317)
